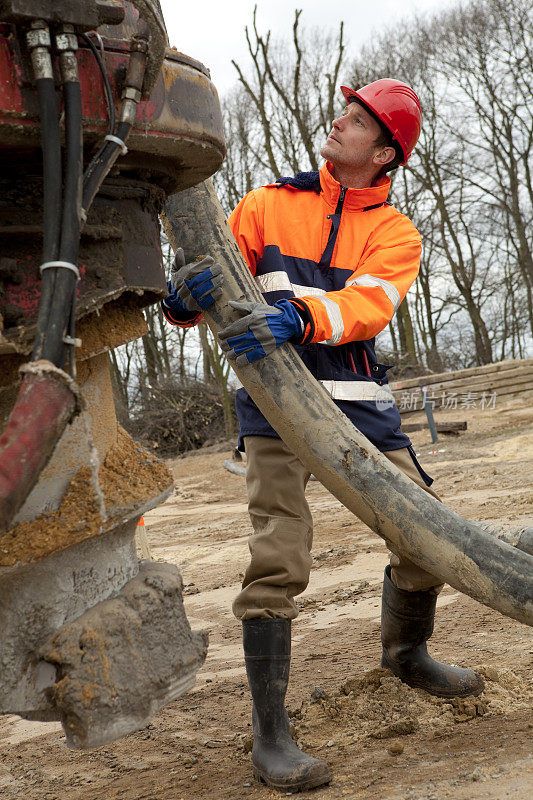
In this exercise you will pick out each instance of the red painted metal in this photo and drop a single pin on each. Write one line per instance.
(45, 404)
(180, 123)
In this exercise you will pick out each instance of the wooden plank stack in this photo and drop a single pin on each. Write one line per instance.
(476, 387)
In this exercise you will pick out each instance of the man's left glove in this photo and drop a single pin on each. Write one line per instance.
(197, 284)
(261, 330)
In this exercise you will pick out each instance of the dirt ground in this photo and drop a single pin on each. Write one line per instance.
(382, 740)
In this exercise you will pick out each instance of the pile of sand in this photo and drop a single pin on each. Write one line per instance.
(129, 475)
(379, 706)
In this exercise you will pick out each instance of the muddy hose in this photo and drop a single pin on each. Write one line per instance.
(409, 520)
(519, 536)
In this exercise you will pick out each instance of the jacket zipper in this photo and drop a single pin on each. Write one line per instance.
(325, 258)
(340, 201)
(338, 210)
(338, 213)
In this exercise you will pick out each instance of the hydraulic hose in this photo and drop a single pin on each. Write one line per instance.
(131, 95)
(61, 309)
(101, 164)
(38, 39)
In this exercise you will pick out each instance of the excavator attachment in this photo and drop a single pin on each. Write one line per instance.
(88, 634)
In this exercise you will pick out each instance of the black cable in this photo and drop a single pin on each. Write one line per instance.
(52, 192)
(109, 100)
(107, 85)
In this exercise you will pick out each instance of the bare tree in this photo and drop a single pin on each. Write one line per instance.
(281, 110)
(468, 185)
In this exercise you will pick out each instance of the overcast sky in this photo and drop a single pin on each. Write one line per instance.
(213, 30)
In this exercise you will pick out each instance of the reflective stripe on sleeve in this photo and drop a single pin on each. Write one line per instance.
(335, 319)
(280, 282)
(360, 390)
(370, 280)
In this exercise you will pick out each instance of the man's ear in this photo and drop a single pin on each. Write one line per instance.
(384, 156)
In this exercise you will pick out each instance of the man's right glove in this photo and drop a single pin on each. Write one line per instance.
(192, 288)
(199, 283)
(261, 330)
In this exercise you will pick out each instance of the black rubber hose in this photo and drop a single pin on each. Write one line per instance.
(51, 148)
(65, 283)
(70, 221)
(104, 162)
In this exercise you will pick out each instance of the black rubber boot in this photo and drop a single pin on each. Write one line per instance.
(406, 624)
(276, 759)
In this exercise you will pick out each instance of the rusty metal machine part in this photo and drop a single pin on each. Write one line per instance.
(119, 259)
(407, 518)
(137, 654)
(43, 597)
(177, 139)
(70, 581)
(86, 15)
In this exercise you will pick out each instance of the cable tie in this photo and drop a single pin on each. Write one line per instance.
(71, 340)
(83, 215)
(60, 265)
(110, 137)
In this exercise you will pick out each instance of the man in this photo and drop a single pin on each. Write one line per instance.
(334, 260)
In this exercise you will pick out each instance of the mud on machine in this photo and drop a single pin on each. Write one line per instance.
(99, 121)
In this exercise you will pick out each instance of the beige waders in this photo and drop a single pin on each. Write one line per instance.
(280, 544)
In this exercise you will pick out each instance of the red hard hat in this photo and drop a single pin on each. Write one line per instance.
(396, 105)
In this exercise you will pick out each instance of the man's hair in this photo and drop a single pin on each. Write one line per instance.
(384, 138)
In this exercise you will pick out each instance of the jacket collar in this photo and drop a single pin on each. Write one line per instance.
(355, 199)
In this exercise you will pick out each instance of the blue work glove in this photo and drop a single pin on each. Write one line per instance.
(260, 330)
(197, 285)
(176, 306)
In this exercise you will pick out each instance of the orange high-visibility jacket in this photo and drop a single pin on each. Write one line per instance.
(374, 259)
(346, 258)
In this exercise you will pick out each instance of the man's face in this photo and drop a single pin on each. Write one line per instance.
(352, 141)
